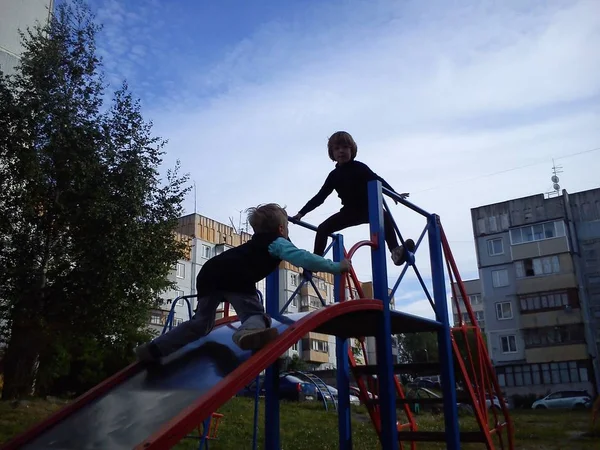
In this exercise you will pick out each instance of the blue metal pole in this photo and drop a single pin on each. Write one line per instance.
(272, 440)
(204, 437)
(444, 340)
(343, 368)
(385, 362)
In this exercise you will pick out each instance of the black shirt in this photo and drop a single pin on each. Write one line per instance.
(350, 181)
(240, 268)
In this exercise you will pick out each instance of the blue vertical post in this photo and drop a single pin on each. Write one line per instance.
(385, 364)
(343, 368)
(444, 339)
(272, 441)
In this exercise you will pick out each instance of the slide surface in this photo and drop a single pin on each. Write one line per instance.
(152, 406)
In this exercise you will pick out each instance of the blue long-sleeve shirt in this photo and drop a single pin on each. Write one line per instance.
(283, 249)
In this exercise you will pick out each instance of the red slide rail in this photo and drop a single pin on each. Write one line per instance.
(173, 431)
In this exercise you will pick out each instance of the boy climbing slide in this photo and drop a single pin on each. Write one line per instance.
(232, 277)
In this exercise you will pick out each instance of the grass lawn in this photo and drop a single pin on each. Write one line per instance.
(306, 426)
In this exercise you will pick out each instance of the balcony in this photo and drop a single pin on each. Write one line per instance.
(551, 318)
(531, 285)
(310, 303)
(317, 336)
(315, 348)
(315, 356)
(568, 352)
(307, 289)
(540, 248)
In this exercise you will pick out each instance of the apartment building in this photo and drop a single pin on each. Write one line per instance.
(534, 307)
(583, 219)
(207, 238)
(17, 15)
(473, 291)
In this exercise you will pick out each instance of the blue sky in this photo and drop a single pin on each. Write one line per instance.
(441, 97)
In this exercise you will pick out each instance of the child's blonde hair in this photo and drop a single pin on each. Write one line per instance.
(267, 218)
(342, 138)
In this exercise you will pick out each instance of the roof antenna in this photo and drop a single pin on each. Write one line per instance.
(194, 197)
(554, 178)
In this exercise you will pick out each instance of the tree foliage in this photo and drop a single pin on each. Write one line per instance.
(87, 223)
(423, 347)
(418, 347)
(472, 353)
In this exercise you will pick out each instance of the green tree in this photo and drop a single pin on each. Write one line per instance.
(418, 347)
(472, 354)
(87, 223)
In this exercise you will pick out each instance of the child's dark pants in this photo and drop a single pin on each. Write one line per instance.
(349, 218)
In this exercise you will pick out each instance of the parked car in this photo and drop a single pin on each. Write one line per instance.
(354, 400)
(432, 382)
(290, 388)
(423, 383)
(356, 392)
(564, 399)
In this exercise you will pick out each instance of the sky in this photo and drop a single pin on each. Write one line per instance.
(459, 103)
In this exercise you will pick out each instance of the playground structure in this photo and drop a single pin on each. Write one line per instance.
(154, 408)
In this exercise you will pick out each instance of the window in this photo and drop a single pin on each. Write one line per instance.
(295, 347)
(504, 311)
(593, 279)
(508, 343)
(310, 301)
(156, 319)
(475, 299)
(535, 267)
(178, 321)
(319, 346)
(549, 301)
(590, 257)
(539, 374)
(537, 232)
(206, 251)
(500, 278)
(294, 280)
(180, 270)
(495, 247)
(554, 335)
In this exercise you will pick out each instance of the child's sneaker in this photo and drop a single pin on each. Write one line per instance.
(254, 339)
(399, 255)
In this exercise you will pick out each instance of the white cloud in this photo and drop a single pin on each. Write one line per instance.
(436, 97)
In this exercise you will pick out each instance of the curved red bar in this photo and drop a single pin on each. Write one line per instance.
(350, 253)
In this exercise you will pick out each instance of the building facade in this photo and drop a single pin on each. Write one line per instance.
(17, 15)
(583, 219)
(476, 300)
(534, 308)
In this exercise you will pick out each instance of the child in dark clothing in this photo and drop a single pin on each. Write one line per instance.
(350, 179)
(232, 277)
